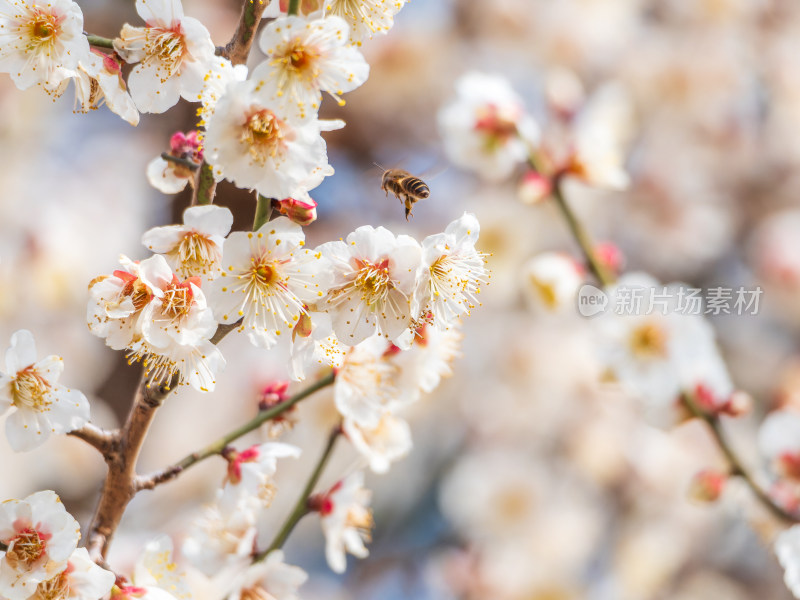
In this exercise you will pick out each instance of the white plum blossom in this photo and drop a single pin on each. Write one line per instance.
(250, 473)
(306, 58)
(98, 79)
(779, 441)
(366, 384)
(194, 248)
(222, 73)
(41, 406)
(177, 326)
(787, 549)
(267, 279)
(599, 138)
(486, 128)
(428, 358)
(660, 354)
(41, 41)
(155, 572)
(375, 278)
(254, 143)
(40, 536)
(551, 281)
(116, 301)
(381, 445)
(174, 52)
(219, 538)
(346, 520)
(82, 579)
(452, 273)
(365, 17)
(268, 579)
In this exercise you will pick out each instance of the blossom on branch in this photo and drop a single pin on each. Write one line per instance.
(306, 58)
(452, 274)
(40, 536)
(41, 405)
(375, 275)
(365, 17)
(174, 54)
(41, 41)
(346, 520)
(254, 143)
(82, 579)
(268, 579)
(194, 248)
(267, 278)
(486, 129)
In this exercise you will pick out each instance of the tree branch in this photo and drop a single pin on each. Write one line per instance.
(121, 457)
(99, 41)
(736, 466)
(184, 162)
(238, 49)
(218, 446)
(263, 211)
(580, 235)
(605, 278)
(301, 508)
(206, 186)
(99, 438)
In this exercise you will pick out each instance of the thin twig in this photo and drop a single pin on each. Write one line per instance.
(238, 49)
(206, 186)
(184, 162)
(301, 508)
(294, 7)
(101, 439)
(218, 446)
(713, 422)
(99, 41)
(736, 466)
(581, 236)
(263, 211)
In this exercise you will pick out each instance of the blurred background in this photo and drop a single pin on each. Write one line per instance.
(531, 478)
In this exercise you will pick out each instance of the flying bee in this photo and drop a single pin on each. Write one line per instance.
(406, 187)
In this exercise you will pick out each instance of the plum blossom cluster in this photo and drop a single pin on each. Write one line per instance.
(41, 558)
(374, 287)
(488, 130)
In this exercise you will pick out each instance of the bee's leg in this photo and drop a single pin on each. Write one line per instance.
(408, 206)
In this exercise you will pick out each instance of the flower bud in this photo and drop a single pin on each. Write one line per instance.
(533, 188)
(707, 485)
(186, 145)
(611, 256)
(302, 212)
(272, 394)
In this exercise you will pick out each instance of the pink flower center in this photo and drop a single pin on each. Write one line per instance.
(28, 546)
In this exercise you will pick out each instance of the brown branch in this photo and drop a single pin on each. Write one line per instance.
(121, 457)
(737, 468)
(99, 438)
(122, 482)
(218, 447)
(238, 49)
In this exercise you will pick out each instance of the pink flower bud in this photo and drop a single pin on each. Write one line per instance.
(611, 256)
(302, 212)
(272, 394)
(533, 188)
(707, 485)
(186, 145)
